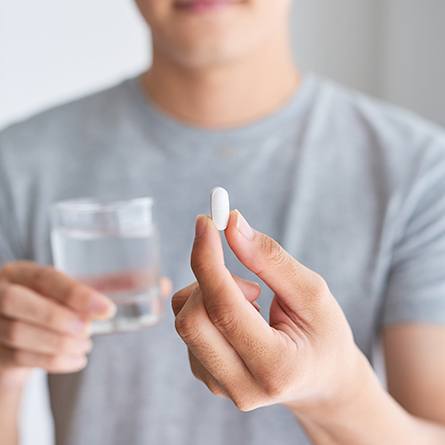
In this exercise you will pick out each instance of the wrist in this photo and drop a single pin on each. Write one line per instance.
(364, 406)
(354, 393)
(345, 386)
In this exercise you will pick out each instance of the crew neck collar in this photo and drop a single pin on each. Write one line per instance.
(157, 120)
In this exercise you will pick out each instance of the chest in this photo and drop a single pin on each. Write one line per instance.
(317, 219)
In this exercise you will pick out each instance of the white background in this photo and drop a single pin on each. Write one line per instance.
(51, 51)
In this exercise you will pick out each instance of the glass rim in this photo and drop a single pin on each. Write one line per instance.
(100, 205)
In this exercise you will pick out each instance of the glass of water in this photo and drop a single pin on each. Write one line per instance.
(112, 246)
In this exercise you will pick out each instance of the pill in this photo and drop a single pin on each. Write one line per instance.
(219, 207)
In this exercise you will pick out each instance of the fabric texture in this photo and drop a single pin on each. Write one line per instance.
(353, 188)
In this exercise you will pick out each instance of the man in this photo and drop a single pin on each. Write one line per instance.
(351, 188)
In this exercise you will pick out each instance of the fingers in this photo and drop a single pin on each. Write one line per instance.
(296, 285)
(213, 351)
(240, 323)
(250, 289)
(59, 287)
(202, 374)
(23, 304)
(166, 287)
(180, 297)
(51, 363)
(20, 335)
(38, 332)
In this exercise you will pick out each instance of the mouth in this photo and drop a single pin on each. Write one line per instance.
(203, 5)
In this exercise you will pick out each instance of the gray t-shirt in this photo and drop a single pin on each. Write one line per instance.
(353, 188)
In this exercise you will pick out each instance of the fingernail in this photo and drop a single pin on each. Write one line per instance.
(243, 226)
(77, 363)
(102, 306)
(253, 285)
(78, 327)
(84, 346)
(256, 306)
(201, 225)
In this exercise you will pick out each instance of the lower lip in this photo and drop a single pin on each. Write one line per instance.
(202, 5)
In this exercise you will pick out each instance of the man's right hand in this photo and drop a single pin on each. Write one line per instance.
(44, 320)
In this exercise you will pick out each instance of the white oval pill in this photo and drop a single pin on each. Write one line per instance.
(220, 207)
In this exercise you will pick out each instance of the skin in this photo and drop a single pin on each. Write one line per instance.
(45, 319)
(216, 70)
(223, 68)
(231, 348)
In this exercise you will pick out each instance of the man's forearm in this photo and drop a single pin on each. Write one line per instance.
(372, 418)
(10, 400)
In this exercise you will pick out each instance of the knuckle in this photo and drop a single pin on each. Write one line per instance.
(41, 275)
(61, 344)
(176, 303)
(18, 357)
(319, 287)
(49, 363)
(52, 362)
(295, 278)
(274, 388)
(214, 388)
(178, 294)
(196, 373)
(199, 265)
(13, 332)
(7, 297)
(49, 317)
(186, 328)
(278, 382)
(7, 269)
(244, 405)
(175, 298)
(222, 318)
(76, 291)
(273, 252)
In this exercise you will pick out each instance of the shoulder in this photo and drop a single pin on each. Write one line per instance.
(386, 125)
(389, 141)
(76, 120)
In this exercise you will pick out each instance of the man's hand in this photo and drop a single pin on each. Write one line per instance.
(304, 357)
(45, 318)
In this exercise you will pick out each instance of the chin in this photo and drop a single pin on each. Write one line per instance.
(210, 54)
(203, 46)
(218, 36)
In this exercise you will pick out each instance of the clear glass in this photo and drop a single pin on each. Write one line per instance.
(112, 246)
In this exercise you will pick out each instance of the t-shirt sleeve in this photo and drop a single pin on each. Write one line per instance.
(9, 242)
(415, 289)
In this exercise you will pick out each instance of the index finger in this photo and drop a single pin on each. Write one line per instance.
(54, 284)
(228, 309)
(250, 289)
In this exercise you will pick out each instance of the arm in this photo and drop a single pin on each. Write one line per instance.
(413, 412)
(415, 366)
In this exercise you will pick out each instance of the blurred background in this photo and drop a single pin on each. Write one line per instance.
(52, 51)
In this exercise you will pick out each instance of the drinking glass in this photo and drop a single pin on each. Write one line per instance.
(112, 246)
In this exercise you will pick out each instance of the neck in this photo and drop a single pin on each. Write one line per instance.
(226, 95)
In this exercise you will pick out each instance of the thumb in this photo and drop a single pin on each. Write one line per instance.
(294, 284)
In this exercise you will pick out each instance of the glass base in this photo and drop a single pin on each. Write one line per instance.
(133, 312)
(122, 324)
